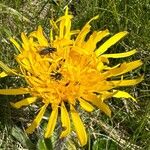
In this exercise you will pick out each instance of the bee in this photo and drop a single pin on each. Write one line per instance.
(47, 50)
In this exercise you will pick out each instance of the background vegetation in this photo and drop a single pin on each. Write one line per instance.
(129, 127)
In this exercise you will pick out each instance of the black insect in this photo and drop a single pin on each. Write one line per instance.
(67, 83)
(56, 76)
(47, 50)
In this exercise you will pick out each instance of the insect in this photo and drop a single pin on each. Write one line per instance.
(47, 50)
(56, 75)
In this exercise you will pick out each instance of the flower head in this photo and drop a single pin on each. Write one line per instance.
(68, 69)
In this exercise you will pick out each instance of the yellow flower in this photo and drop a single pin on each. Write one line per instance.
(68, 68)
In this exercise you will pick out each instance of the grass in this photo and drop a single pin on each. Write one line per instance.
(129, 127)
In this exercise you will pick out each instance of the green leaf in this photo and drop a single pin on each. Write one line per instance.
(41, 145)
(22, 137)
(102, 143)
(44, 144)
(48, 143)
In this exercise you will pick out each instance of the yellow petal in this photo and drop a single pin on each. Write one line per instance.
(73, 32)
(54, 25)
(111, 41)
(97, 101)
(124, 68)
(19, 91)
(33, 34)
(15, 43)
(131, 66)
(101, 34)
(128, 82)
(37, 120)
(51, 122)
(120, 55)
(122, 94)
(96, 37)
(24, 102)
(109, 68)
(79, 50)
(94, 18)
(100, 66)
(85, 30)
(65, 121)
(103, 107)
(25, 40)
(51, 36)
(81, 36)
(103, 59)
(85, 105)
(79, 127)
(67, 25)
(106, 95)
(66, 11)
(3, 74)
(41, 38)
